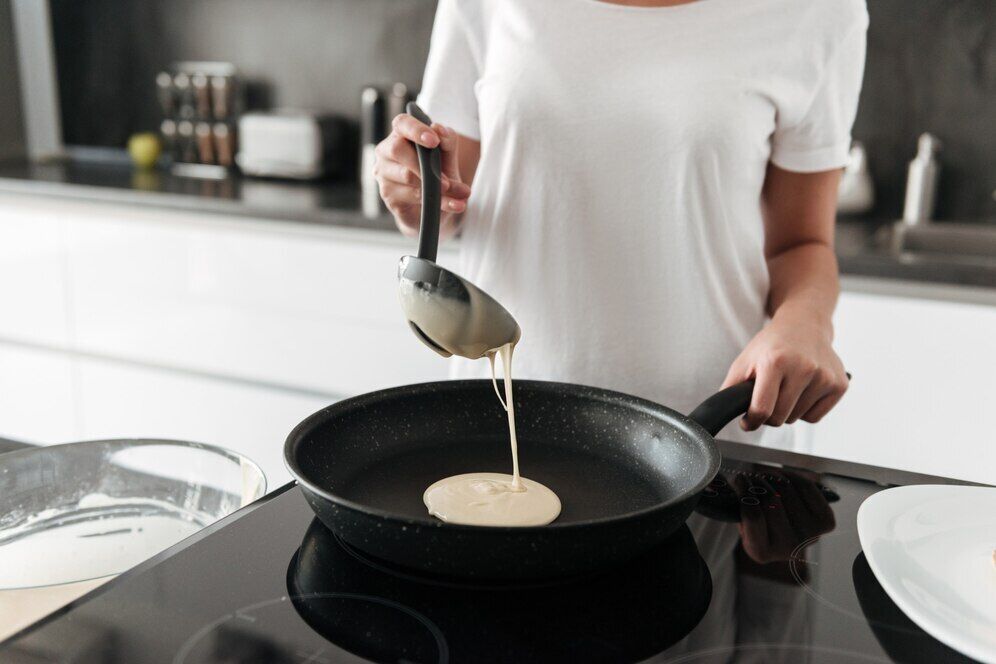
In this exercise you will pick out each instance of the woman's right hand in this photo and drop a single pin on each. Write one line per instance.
(397, 172)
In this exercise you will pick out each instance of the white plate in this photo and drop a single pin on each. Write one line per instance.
(931, 547)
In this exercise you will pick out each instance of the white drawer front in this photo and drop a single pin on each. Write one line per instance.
(32, 276)
(310, 311)
(120, 401)
(923, 393)
(37, 396)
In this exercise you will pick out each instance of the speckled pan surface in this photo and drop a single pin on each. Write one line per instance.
(628, 472)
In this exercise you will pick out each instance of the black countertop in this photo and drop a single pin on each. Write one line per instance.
(768, 569)
(323, 203)
(863, 246)
(865, 249)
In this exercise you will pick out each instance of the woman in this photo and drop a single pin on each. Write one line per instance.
(649, 186)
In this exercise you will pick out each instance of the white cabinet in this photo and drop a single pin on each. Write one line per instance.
(923, 395)
(121, 401)
(37, 395)
(125, 322)
(33, 303)
(119, 321)
(51, 397)
(315, 311)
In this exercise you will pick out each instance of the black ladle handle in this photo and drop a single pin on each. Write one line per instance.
(725, 406)
(430, 167)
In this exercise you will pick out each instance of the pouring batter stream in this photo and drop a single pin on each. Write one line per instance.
(494, 499)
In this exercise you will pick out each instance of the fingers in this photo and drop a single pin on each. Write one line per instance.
(407, 127)
(784, 392)
(399, 198)
(449, 151)
(386, 170)
(401, 187)
(836, 387)
(397, 168)
(792, 387)
(393, 171)
(767, 382)
(397, 171)
(398, 149)
(456, 189)
(825, 382)
(815, 391)
(447, 138)
(822, 407)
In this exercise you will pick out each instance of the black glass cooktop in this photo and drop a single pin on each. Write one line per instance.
(769, 569)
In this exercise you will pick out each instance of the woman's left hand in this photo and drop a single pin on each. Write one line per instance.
(797, 373)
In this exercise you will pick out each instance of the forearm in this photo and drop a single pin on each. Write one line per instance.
(796, 371)
(804, 284)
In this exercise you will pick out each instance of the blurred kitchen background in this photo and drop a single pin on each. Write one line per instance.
(213, 305)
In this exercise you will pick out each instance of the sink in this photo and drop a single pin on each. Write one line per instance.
(953, 241)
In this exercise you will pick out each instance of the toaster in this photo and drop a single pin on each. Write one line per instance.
(293, 144)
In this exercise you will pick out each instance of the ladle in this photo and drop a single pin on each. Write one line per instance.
(448, 313)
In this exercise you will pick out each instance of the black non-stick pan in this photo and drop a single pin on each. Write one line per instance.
(628, 472)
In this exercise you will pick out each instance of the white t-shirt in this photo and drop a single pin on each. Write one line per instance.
(616, 207)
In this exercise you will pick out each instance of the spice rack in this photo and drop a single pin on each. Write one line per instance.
(201, 103)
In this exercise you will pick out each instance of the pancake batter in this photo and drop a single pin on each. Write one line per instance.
(494, 499)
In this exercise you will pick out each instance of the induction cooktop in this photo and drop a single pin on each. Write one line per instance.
(768, 569)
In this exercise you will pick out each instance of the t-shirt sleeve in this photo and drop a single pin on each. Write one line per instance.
(451, 72)
(820, 139)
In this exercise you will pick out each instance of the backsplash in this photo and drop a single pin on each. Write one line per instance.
(12, 139)
(931, 67)
(312, 54)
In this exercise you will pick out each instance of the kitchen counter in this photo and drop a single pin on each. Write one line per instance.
(863, 249)
(113, 181)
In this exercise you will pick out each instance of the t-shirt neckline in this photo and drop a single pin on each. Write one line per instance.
(664, 9)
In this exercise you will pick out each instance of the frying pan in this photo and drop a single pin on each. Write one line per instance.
(628, 472)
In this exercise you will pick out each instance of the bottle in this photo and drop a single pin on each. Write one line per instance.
(372, 113)
(921, 182)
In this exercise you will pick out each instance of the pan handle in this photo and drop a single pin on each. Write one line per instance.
(430, 170)
(723, 407)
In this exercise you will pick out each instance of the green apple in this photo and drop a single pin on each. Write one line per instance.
(144, 149)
